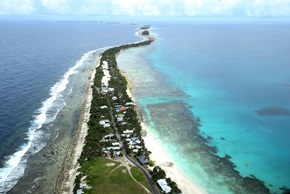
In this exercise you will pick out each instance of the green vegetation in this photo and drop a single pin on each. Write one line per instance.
(94, 171)
(91, 158)
(140, 177)
(105, 178)
(151, 163)
(97, 171)
(121, 182)
(159, 173)
(145, 27)
(145, 33)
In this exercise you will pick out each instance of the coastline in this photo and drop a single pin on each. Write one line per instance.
(159, 156)
(158, 153)
(70, 172)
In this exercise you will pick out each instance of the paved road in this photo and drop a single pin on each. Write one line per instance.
(148, 177)
(152, 184)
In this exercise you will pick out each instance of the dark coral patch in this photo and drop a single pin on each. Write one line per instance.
(273, 111)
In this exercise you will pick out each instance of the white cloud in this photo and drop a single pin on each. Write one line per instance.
(57, 6)
(135, 7)
(150, 7)
(92, 7)
(16, 7)
(268, 8)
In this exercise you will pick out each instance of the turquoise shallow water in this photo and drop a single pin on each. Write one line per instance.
(232, 80)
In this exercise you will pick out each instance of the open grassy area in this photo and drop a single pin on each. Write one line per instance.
(140, 177)
(103, 177)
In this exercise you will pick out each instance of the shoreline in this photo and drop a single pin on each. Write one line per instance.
(71, 169)
(158, 155)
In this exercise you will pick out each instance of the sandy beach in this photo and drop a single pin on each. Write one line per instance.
(159, 156)
(72, 166)
(161, 159)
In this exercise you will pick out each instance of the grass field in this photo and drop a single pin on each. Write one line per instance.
(105, 176)
(140, 177)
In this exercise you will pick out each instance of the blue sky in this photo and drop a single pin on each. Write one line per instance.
(232, 8)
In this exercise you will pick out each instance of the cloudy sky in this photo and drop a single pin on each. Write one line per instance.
(237, 8)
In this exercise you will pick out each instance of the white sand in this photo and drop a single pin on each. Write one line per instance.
(159, 156)
(106, 77)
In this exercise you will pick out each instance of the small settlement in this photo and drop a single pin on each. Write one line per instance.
(114, 127)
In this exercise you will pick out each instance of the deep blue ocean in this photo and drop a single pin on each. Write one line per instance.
(38, 60)
(216, 96)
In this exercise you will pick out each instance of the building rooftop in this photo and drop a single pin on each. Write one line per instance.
(142, 160)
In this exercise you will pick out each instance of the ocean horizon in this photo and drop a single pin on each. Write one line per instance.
(214, 95)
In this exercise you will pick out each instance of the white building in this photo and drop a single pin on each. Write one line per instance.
(163, 185)
(130, 104)
(115, 143)
(128, 131)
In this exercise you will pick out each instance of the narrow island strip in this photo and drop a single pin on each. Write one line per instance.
(111, 152)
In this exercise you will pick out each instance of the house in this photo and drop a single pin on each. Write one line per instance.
(142, 160)
(111, 89)
(120, 118)
(80, 191)
(111, 148)
(134, 138)
(124, 123)
(106, 120)
(83, 185)
(105, 123)
(130, 104)
(126, 135)
(107, 138)
(131, 143)
(128, 131)
(120, 108)
(163, 185)
(123, 108)
(138, 141)
(116, 144)
(105, 90)
(102, 122)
